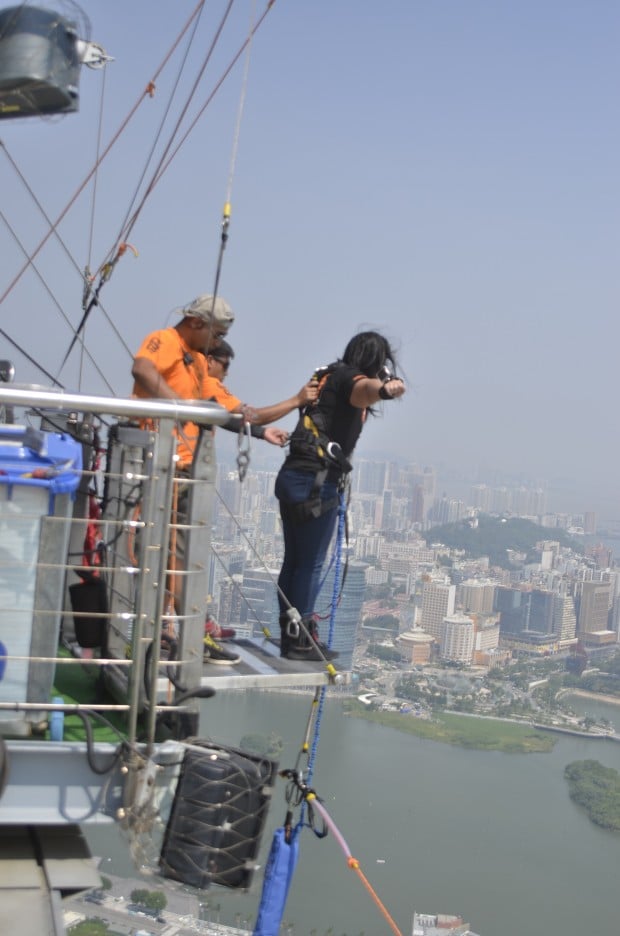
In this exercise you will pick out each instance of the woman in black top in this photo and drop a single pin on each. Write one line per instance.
(307, 484)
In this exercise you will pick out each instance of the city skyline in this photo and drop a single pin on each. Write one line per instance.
(451, 481)
(453, 597)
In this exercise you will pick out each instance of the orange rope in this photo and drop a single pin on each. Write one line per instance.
(147, 91)
(354, 864)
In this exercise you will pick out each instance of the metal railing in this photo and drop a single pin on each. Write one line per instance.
(150, 570)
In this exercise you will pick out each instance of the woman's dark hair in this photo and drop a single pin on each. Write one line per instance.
(221, 350)
(369, 352)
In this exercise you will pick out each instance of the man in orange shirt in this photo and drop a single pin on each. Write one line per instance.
(170, 364)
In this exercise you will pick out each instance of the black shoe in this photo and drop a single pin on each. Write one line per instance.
(312, 627)
(309, 652)
(305, 645)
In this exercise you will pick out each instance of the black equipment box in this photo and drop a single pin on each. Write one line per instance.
(217, 816)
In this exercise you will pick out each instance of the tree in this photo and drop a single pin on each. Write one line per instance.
(264, 745)
(139, 895)
(388, 622)
(576, 662)
(89, 928)
(153, 900)
(597, 789)
(158, 901)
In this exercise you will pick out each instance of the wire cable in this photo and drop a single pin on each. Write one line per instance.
(148, 91)
(233, 162)
(91, 233)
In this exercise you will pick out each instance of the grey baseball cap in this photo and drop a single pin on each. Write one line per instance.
(214, 311)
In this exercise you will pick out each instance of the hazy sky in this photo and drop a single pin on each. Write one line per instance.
(445, 171)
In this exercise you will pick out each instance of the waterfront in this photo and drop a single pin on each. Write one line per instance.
(493, 837)
(596, 706)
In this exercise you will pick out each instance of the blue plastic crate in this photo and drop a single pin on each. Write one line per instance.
(34, 458)
(39, 476)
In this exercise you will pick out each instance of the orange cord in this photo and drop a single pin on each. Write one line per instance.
(354, 864)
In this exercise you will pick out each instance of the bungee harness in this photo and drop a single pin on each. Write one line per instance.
(310, 439)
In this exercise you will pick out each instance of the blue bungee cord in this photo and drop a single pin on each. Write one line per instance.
(342, 512)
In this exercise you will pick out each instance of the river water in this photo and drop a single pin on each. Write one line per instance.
(436, 829)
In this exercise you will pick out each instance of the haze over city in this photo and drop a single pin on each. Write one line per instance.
(445, 172)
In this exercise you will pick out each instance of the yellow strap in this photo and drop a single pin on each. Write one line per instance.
(310, 424)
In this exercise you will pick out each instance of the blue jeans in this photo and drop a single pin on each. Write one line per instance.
(305, 542)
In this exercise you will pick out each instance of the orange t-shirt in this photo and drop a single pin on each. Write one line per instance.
(186, 374)
(215, 390)
(183, 370)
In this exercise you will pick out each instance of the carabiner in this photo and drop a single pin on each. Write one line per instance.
(243, 450)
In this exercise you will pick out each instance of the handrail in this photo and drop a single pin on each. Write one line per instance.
(197, 411)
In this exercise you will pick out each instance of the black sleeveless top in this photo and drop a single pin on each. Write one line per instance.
(337, 421)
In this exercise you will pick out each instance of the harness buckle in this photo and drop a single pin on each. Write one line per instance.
(337, 456)
(293, 620)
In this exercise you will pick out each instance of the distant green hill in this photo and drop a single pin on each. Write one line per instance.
(493, 536)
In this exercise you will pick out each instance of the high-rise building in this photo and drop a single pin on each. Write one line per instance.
(418, 486)
(486, 636)
(367, 547)
(268, 522)
(564, 619)
(480, 497)
(501, 500)
(528, 502)
(388, 501)
(227, 507)
(260, 607)
(513, 607)
(589, 523)
(438, 601)
(524, 610)
(230, 601)
(541, 614)
(602, 555)
(594, 607)
(476, 595)
(447, 510)
(224, 561)
(418, 507)
(369, 476)
(348, 614)
(457, 640)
